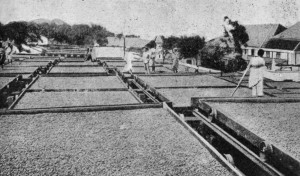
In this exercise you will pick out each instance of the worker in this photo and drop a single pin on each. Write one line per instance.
(175, 59)
(152, 59)
(129, 57)
(228, 27)
(146, 59)
(256, 78)
(2, 55)
(88, 55)
(10, 50)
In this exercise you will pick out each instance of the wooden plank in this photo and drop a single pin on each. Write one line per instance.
(77, 90)
(72, 74)
(195, 100)
(22, 94)
(80, 109)
(194, 87)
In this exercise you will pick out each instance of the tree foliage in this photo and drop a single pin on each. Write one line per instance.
(79, 34)
(221, 58)
(189, 46)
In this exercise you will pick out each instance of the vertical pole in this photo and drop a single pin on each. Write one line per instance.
(124, 45)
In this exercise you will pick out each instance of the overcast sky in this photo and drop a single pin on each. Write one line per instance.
(149, 18)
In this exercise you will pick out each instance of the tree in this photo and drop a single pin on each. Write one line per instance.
(189, 46)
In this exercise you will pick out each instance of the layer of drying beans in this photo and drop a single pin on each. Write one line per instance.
(132, 142)
(142, 70)
(40, 59)
(28, 64)
(59, 99)
(182, 97)
(77, 70)
(18, 69)
(178, 81)
(288, 95)
(77, 63)
(281, 85)
(276, 122)
(96, 82)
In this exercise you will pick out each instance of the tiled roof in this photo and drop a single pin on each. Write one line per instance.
(286, 40)
(292, 33)
(258, 34)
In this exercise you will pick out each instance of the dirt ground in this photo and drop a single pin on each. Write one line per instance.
(144, 142)
(276, 122)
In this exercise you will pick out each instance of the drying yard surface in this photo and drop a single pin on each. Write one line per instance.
(96, 82)
(178, 81)
(27, 64)
(77, 70)
(128, 142)
(276, 122)
(16, 69)
(143, 142)
(77, 63)
(182, 97)
(142, 69)
(63, 99)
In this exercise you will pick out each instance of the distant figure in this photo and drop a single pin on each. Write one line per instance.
(256, 78)
(175, 59)
(88, 55)
(152, 59)
(236, 32)
(2, 55)
(9, 51)
(129, 57)
(146, 59)
(228, 27)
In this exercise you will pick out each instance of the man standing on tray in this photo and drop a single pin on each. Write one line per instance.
(256, 78)
(146, 59)
(175, 58)
(152, 59)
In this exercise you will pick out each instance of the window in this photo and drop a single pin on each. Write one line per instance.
(268, 54)
(189, 61)
(252, 52)
(277, 55)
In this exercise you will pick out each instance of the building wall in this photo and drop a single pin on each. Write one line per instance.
(289, 56)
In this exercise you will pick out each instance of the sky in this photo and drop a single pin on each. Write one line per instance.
(149, 18)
